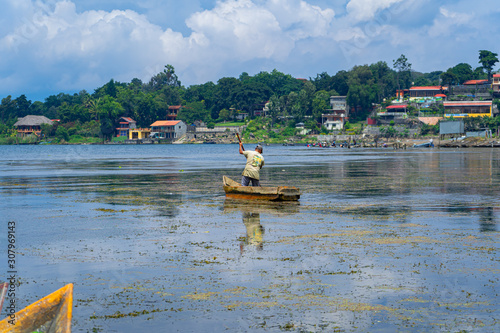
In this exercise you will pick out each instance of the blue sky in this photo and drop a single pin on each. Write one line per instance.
(51, 46)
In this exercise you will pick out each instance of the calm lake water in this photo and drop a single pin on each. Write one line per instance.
(381, 240)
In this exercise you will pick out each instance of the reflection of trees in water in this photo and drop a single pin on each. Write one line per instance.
(386, 173)
(487, 218)
(361, 179)
(400, 213)
(161, 193)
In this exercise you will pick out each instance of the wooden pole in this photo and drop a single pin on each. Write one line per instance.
(239, 139)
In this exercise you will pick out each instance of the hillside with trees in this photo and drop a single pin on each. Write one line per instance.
(94, 115)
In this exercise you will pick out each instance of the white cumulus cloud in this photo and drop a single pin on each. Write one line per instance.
(76, 48)
(362, 10)
(68, 45)
(447, 20)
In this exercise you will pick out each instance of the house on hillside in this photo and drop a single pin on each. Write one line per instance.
(125, 125)
(401, 94)
(261, 109)
(240, 116)
(428, 92)
(302, 130)
(172, 112)
(338, 114)
(476, 82)
(474, 88)
(393, 112)
(468, 109)
(31, 125)
(495, 85)
(168, 129)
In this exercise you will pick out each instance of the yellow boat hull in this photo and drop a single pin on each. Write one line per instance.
(53, 311)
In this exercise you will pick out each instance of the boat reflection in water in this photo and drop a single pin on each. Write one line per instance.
(251, 213)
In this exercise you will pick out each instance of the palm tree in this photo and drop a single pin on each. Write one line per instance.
(93, 106)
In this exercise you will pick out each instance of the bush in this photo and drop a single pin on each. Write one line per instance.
(8, 140)
(62, 133)
(429, 129)
(72, 131)
(32, 138)
(76, 139)
(289, 131)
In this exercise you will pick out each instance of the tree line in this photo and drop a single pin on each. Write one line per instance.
(96, 113)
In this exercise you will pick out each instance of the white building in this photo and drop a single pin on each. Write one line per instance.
(337, 116)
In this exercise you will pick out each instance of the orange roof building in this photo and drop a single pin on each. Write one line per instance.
(474, 82)
(172, 112)
(165, 123)
(168, 129)
(429, 91)
(468, 109)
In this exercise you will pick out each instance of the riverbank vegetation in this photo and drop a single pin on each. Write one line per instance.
(92, 117)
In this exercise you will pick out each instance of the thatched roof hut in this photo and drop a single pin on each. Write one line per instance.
(31, 125)
(32, 121)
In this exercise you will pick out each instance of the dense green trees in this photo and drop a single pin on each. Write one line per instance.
(488, 60)
(194, 111)
(449, 78)
(303, 100)
(363, 91)
(403, 72)
(461, 73)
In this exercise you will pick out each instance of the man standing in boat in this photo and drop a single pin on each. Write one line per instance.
(255, 162)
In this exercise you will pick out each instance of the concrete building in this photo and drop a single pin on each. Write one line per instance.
(468, 109)
(496, 83)
(336, 117)
(168, 129)
(139, 133)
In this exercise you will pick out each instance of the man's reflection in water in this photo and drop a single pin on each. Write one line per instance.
(487, 220)
(254, 231)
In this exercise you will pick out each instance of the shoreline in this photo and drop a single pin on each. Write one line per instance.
(394, 143)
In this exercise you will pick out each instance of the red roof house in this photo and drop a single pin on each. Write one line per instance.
(172, 112)
(429, 91)
(474, 82)
(125, 124)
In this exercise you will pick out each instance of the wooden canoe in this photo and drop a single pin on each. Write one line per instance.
(272, 193)
(52, 313)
